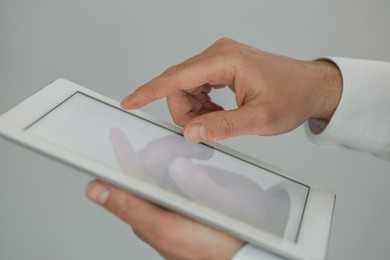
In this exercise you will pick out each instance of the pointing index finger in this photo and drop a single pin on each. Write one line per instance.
(190, 74)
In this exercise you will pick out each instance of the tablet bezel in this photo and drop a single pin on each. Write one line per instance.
(317, 217)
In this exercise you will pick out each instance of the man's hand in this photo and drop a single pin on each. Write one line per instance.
(274, 94)
(172, 235)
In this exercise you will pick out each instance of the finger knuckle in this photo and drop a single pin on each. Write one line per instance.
(140, 235)
(124, 210)
(179, 120)
(163, 237)
(223, 40)
(172, 72)
(229, 47)
(267, 121)
(226, 126)
(178, 115)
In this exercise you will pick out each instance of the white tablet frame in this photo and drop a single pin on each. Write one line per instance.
(314, 232)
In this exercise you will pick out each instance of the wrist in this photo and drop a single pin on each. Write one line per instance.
(327, 80)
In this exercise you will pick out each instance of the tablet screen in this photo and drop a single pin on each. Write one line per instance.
(134, 146)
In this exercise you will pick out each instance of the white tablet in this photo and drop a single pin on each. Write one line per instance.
(208, 182)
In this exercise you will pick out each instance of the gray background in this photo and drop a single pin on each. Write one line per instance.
(114, 46)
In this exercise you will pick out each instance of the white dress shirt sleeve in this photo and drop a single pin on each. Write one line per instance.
(362, 118)
(250, 252)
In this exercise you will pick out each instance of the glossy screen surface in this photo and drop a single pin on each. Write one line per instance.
(133, 146)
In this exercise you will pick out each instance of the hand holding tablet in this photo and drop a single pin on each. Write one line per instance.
(166, 162)
(228, 191)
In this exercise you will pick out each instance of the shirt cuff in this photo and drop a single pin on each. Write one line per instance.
(362, 118)
(250, 252)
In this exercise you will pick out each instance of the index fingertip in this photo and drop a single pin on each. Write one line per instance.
(125, 104)
(129, 102)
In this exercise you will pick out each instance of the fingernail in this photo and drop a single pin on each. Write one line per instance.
(196, 133)
(98, 193)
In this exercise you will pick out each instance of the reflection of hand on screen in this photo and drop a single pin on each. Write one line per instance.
(233, 194)
(167, 162)
(152, 162)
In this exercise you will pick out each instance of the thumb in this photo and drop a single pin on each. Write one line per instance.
(221, 125)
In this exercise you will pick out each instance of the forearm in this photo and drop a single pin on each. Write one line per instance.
(327, 80)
